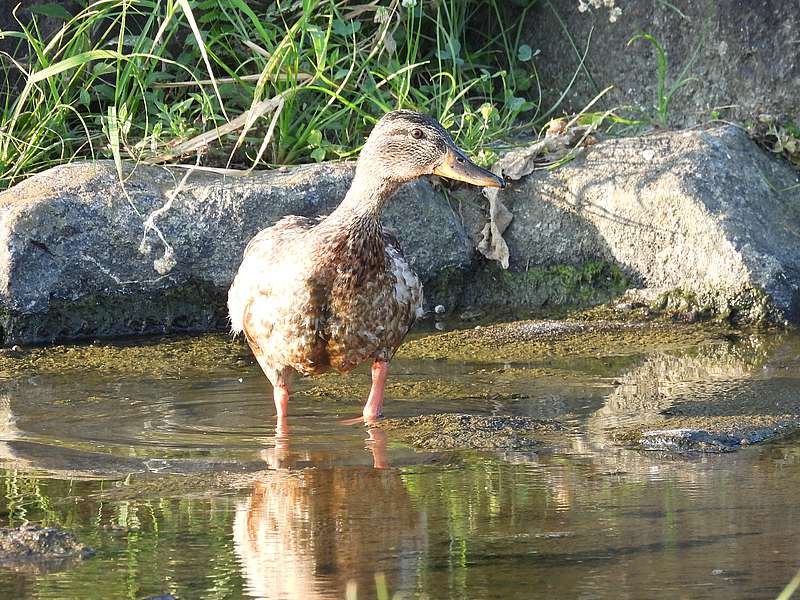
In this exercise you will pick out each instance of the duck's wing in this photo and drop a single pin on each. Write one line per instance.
(407, 294)
(285, 229)
(408, 289)
(266, 249)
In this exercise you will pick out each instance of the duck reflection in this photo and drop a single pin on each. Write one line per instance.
(311, 533)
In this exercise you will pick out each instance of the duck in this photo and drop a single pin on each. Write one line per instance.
(318, 294)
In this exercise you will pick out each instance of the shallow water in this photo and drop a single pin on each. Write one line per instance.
(176, 477)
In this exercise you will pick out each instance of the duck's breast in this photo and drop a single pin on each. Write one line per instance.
(372, 310)
(278, 298)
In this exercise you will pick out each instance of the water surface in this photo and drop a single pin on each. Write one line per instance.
(174, 473)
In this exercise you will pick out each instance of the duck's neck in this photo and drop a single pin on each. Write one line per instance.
(366, 197)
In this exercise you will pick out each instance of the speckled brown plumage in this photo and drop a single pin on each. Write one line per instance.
(335, 294)
(318, 294)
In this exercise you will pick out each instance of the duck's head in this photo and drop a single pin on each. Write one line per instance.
(405, 145)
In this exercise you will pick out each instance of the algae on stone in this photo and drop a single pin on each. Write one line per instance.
(155, 357)
(36, 549)
(591, 283)
(537, 339)
(491, 385)
(709, 434)
(460, 431)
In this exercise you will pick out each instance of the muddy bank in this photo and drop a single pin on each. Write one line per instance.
(736, 59)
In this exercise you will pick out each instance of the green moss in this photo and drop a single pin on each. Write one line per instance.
(195, 307)
(592, 283)
(154, 358)
(332, 387)
(457, 431)
(751, 306)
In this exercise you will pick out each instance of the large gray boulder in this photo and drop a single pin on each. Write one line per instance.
(699, 222)
(78, 259)
(703, 219)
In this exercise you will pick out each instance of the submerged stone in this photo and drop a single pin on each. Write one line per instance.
(691, 440)
(531, 339)
(40, 548)
(160, 358)
(459, 431)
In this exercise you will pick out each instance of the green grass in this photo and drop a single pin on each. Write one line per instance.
(248, 84)
(665, 93)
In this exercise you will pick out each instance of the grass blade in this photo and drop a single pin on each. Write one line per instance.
(187, 11)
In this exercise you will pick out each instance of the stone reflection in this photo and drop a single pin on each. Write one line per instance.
(748, 384)
(707, 374)
(310, 533)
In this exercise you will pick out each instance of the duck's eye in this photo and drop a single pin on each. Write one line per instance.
(417, 134)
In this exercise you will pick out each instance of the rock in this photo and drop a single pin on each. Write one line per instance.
(459, 431)
(686, 440)
(709, 224)
(740, 57)
(77, 261)
(701, 224)
(37, 549)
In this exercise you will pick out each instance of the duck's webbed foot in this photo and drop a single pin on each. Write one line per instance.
(374, 406)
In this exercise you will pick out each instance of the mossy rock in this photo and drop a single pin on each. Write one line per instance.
(162, 357)
(460, 431)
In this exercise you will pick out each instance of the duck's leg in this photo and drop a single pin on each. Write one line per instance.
(374, 405)
(279, 378)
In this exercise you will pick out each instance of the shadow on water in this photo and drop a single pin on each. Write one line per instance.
(176, 476)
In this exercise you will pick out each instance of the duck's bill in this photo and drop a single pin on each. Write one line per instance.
(459, 167)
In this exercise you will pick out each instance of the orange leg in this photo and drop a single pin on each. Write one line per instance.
(374, 406)
(280, 392)
(279, 378)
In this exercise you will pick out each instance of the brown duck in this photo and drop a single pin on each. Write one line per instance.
(330, 293)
